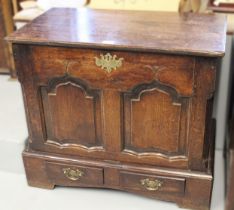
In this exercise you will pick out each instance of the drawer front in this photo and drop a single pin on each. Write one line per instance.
(152, 184)
(74, 175)
(114, 70)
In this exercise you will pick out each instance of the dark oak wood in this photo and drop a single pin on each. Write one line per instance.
(144, 127)
(92, 176)
(170, 185)
(189, 189)
(166, 32)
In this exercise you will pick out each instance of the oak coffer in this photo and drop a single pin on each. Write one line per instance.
(121, 100)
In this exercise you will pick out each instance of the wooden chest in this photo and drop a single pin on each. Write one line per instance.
(121, 100)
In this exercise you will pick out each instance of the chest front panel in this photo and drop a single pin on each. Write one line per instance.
(121, 106)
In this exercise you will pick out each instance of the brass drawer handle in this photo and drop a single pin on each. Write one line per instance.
(108, 62)
(72, 174)
(151, 185)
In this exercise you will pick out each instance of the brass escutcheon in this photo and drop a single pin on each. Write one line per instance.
(108, 62)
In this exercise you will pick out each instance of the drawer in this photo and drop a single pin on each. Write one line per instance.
(115, 70)
(152, 184)
(74, 175)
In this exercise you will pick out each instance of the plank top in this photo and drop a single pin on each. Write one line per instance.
(166, 32)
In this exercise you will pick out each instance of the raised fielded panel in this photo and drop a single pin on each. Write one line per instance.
(72, 113)
(155, 121)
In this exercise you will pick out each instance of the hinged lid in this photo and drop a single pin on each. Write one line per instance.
(168, 32)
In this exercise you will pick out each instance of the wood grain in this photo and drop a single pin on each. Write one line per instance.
(92, 176)
(72, 114)
(49, 62)
(161, 118)
(180, 186)
(170, 32)
(169, 185)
